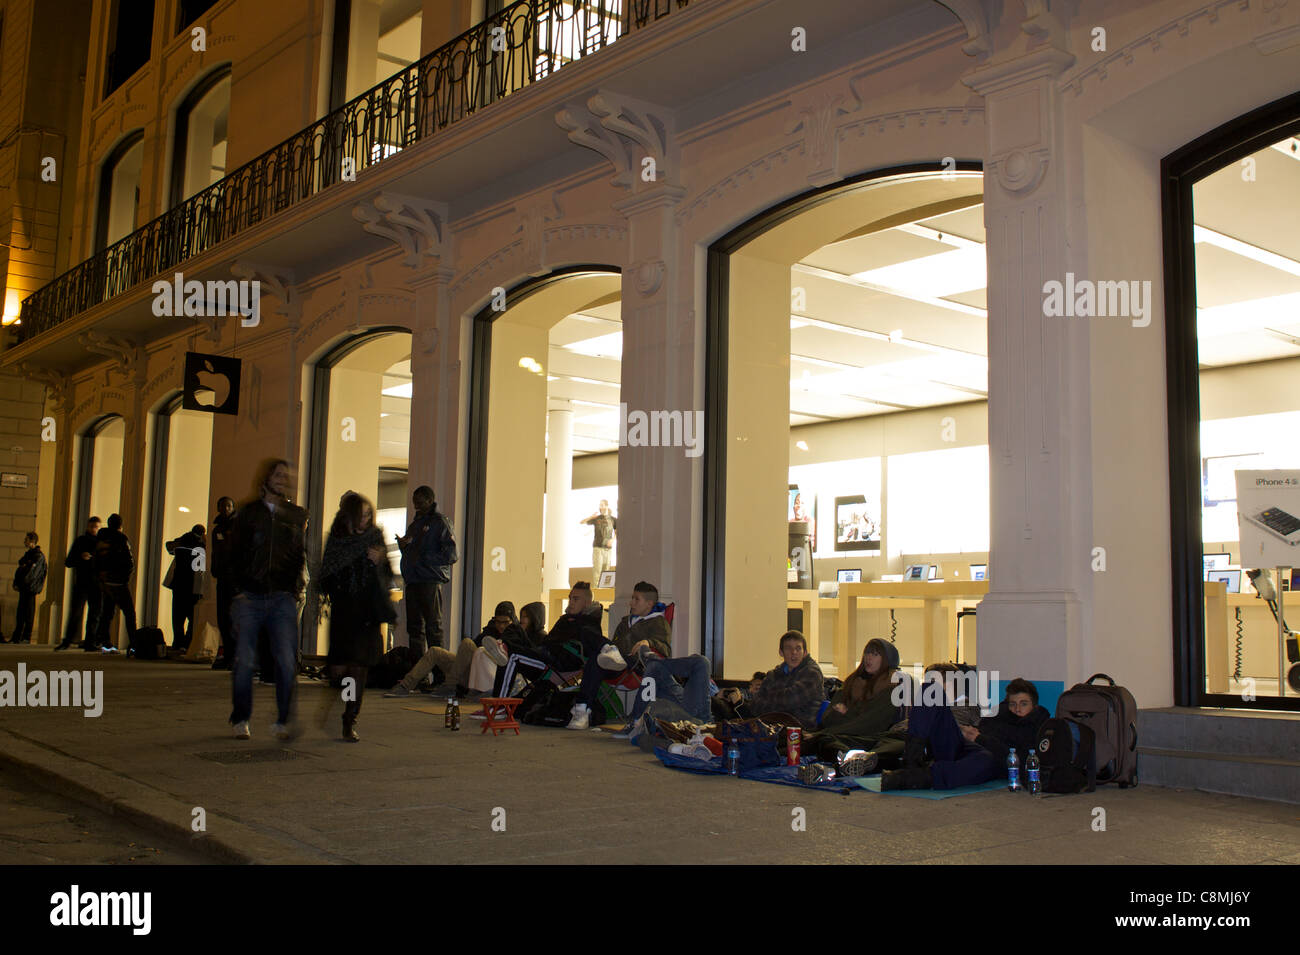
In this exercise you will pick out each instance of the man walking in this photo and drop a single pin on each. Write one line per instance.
(602, 542)
(113, 563)
(428, 551)
(219, 567)
(85, 587)
(267, 560)
(29, 580)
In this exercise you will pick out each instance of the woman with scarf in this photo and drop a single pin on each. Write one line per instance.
(356, 576)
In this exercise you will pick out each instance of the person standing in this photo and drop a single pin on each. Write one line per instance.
(114, 563)
(428, 551)
(356, 576)
(605, 526)
(186, 585)
(267, 560)
(218, 566)
(29, 580)
(85, 587)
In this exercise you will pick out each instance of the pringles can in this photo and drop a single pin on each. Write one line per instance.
(793, 744)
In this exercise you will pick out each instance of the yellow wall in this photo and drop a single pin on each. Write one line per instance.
(189, 452)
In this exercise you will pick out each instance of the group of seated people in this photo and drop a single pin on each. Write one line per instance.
(862, 727)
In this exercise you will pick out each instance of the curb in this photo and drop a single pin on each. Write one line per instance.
(121, 796)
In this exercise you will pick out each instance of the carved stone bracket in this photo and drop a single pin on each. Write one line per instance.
(56, 385)
(534, 214)
(278, 281)
(975, 18)
(418, 226)
(815, 115)
(648, 275)
(619, 127)
(123, 351)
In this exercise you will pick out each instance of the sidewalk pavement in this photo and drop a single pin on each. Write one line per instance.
(413, 792)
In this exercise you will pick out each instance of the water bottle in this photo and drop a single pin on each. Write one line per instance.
(1013, 771)
(446, 716)
(731, 758)
(455, 715)
(1031, 770)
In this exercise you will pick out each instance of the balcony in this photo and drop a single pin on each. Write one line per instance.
(511, 50)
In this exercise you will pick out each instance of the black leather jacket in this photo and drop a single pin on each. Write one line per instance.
(268, 553)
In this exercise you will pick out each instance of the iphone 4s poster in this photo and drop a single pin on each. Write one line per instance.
(1268, 512)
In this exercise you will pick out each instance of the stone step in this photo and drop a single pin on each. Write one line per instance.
(1229, 733)
(1255, 776)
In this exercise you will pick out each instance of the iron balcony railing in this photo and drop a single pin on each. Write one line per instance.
(523, 43)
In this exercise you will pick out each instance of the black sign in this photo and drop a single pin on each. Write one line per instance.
(211, 383)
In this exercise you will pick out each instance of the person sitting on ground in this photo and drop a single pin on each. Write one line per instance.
(796, 687)
(640, 636)
(532, 619)
(940, 754)
(458, 667)
(864, 722)
(683, 681)
(575, 636)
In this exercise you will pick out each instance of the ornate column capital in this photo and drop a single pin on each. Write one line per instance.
(627, 132)
(417, 225)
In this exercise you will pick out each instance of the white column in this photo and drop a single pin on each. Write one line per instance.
(559, 481)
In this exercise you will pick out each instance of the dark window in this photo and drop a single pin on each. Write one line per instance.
(130, 39)
(191, 10)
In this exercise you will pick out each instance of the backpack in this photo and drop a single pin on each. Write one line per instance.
(1067, 756)
(547, 705)
(1111, 713)
(148, 644)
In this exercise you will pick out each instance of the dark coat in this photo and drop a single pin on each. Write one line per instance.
(428, 557)
(267, 551)
(653, 628)
(219, 556)
(29, 575)
(113, 558)
(83, 571)
(355, 586)
(999, 733)
(582, 630)
(182, 550)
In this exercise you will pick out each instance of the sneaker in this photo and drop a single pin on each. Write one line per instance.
(581, 718)
(242, 731)
(280, 731)
(693, 750)
(495, 651)
(109, 650)
(398, 690)
(856, 762)
(610, 658)
(632, 729)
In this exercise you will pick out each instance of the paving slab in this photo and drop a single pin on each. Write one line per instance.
(413, 792)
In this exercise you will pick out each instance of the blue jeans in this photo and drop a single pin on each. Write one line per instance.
(693, 697)
(278, 613)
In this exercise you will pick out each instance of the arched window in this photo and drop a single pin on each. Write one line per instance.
(199, 157)
(119, 191)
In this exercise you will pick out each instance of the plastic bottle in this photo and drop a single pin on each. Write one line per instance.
(731, 758)
(1032, 771)
(1013, 771)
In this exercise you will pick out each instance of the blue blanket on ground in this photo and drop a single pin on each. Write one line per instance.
(784, 775)
(872, 784)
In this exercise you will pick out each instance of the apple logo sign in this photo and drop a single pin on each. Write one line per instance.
(211, 383)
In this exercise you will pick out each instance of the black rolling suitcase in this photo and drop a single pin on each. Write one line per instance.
(1111, 713)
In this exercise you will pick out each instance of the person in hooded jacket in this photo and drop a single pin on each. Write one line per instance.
(186, 585)
(864, 714)
(458, 667)
(640, 636)
(532, 619)
(573, 639)
(29, 580)
(356, 576)
(967, 755)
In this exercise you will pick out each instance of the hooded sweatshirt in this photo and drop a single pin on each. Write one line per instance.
(999, 733)
(537, 617)
(867, 715)
(653, 628)
(513, 635)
